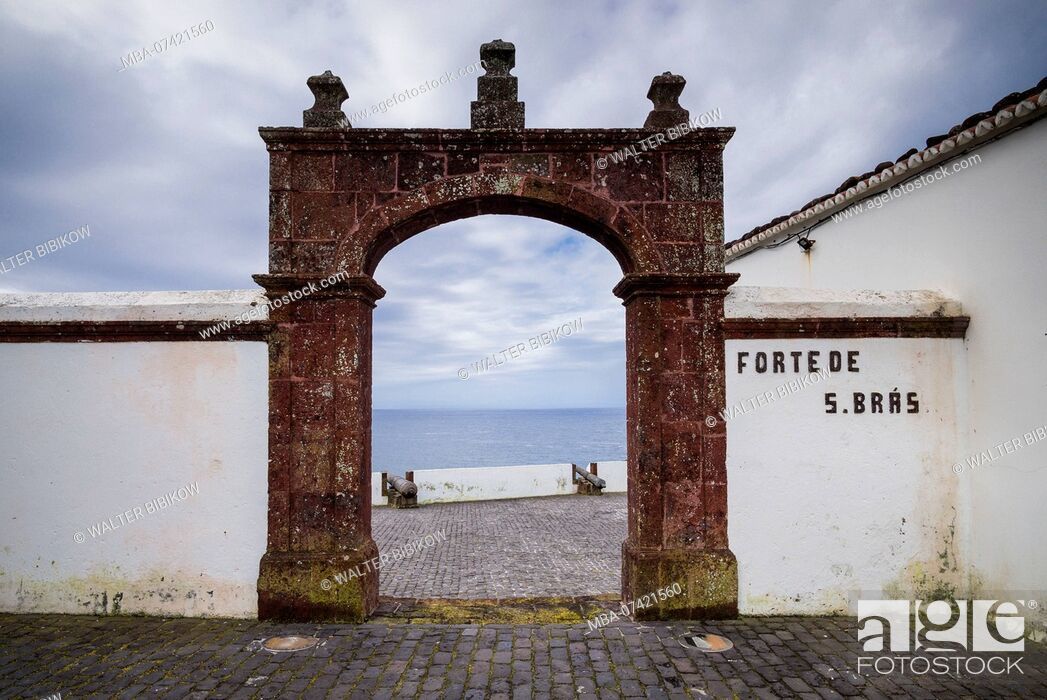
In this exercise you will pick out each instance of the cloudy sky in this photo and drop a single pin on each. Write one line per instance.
(163, 160)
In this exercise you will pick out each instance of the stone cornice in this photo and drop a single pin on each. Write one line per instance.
(321, 286)
(638, 284)
(517, 140)
(128, 331)
(846, 327)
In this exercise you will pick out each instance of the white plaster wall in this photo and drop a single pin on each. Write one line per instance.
(486, 483)
(977, 235)
(822, 506)
(43, 307)
(94, 429)
(616, 474)
(497, 483)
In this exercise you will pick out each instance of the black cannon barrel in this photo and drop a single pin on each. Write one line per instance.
(402, 485)
(591, 478)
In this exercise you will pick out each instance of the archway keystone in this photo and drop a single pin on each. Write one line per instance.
(342, 197)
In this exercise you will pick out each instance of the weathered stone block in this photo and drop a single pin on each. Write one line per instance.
(312, 350)
(279, 215)
(279, 170)
(417, 169)
(683, 257)
(279, 354)
(279, 534)
(323, 215)
(280, 411)
(311, 465)
(695, 176)
(709, 579)
(365, 172)
(556, 193)
(573, 167)
(497, 115)
(639, 179)
(681, 454)
(714, 498)
(350, 516)
(497, 184)
(678, 221)
(529, 164)
(683, 398)
(351, 461)
(497, 88)
(312, 172)
(280, 466)
(682, 348)
(291, 585)
(314, 256)
(462, 163)
(404, 206)
(312, 408)
(280, 260)
(596, 208)
(311, 524)
(684, 510)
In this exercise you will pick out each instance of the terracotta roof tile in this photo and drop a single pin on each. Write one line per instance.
(1038, 93)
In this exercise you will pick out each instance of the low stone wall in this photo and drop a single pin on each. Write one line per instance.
(486, 483)
(499, 483)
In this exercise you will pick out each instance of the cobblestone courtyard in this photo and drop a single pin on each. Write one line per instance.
(125, 657)
(561, 546)
(565, 546)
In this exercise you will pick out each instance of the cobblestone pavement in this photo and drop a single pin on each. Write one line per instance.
(125, 657)
(562, 546)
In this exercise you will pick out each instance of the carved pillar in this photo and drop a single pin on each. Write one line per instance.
(319, 451)
(677, 446)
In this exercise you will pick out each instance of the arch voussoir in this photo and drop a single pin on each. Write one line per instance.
(464, 196)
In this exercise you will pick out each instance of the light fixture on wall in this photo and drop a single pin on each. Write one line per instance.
(806, 243)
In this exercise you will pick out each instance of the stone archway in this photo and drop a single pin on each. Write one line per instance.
(340, 198)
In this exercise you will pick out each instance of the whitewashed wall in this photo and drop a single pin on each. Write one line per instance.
(615, 474)
(817, 501)
(823, 505)
(979, 237)
(484, 483)
(497, 483)
(92, 430)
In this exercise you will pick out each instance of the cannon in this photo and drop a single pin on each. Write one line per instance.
(589, 484)
(401, 492)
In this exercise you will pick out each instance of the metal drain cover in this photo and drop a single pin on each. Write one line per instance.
(291, 643)
(709, 643)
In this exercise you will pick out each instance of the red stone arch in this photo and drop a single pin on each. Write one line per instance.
(465, 196)
(341, 198)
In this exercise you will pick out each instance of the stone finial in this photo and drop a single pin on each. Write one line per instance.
(498, 57)
(328, 95)
(496, 105)
(665, 94)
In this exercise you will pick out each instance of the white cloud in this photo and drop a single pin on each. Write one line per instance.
(163, 160)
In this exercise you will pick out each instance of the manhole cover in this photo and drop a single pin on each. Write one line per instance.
(292, 643)
(708, 643)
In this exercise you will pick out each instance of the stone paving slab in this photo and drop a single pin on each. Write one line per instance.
(126, 657)
(528, 547)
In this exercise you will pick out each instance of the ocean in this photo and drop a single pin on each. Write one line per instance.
(403, 440)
